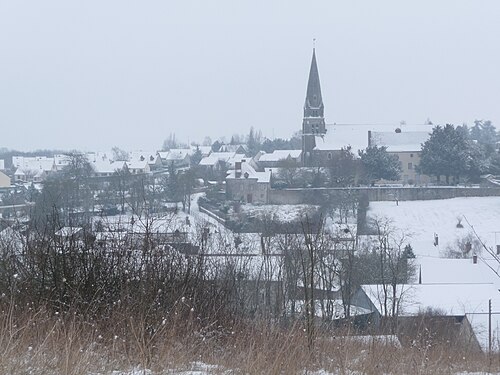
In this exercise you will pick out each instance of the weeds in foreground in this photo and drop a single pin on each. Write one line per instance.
(45, 342)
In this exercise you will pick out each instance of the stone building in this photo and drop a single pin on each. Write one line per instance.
(246, 185)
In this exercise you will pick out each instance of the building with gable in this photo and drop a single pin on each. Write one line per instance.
(246, 185)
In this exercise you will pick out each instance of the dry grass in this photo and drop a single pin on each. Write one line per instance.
(43, 342)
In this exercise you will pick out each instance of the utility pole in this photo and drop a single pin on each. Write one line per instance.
(489, 327)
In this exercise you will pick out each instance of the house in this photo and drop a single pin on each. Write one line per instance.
(152, 158)
(104, 167)
(406, 144)
(138, 166)
(273, 159)
(447, 301)
(2, 165)
(246, 185)
(220, 160)
(61, 161)
(179, 157)
(32, 169)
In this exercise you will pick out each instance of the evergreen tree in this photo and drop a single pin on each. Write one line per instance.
(343, 168)
(379, 164)
(196, 157)
(450, 152)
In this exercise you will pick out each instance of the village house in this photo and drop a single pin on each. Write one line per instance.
(273, 159)
(406, 144)
(61, 161)
(152, 158)
(246, 185)
(457, 300)
(32, 169)
(103, 166)
(217, 161)
(178, 157)
(138, 166)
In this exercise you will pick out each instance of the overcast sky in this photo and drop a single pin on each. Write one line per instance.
(94, 74)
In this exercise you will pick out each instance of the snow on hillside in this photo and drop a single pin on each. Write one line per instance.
(424, 218)
(282, 213)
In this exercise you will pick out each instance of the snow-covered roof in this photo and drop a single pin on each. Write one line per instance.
(177, 154)
(450, 299)
(149, 156)
(106, 166)
(68, 231)
(215, 157)
(61, 159)
(36, 163)
(137, 164)
(356, 135)
(400, 142)
(277, 155)
(237, 157)
(248, 172)
(98, 155)
(456, 271)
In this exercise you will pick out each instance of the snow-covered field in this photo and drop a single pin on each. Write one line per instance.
(282, 213)
(423, 219)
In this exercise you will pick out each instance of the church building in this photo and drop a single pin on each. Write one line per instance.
(321, 141)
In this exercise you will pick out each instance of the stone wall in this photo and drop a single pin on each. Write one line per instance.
(321, 195)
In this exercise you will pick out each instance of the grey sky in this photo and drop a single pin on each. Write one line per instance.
(93, 74)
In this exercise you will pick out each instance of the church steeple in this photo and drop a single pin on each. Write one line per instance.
(313, 124)
(313, 106)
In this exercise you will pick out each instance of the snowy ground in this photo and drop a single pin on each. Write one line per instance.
(455, 286)
(282, 213)
(425, 218)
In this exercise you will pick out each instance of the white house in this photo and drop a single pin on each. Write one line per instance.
(138, 166)
(32, 169)
(179, 157)
(152, 158)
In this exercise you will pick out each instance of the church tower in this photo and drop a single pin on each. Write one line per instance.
(314, 121)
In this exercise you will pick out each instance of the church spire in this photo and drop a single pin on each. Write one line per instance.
(313, 106)
(313, 124)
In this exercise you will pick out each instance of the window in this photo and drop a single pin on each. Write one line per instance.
(411, 155)
(329, 156)
(410, 165)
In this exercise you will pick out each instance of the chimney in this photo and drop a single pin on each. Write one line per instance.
(498, 249)
(474, 259)
(369, 138)
(237, 168)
